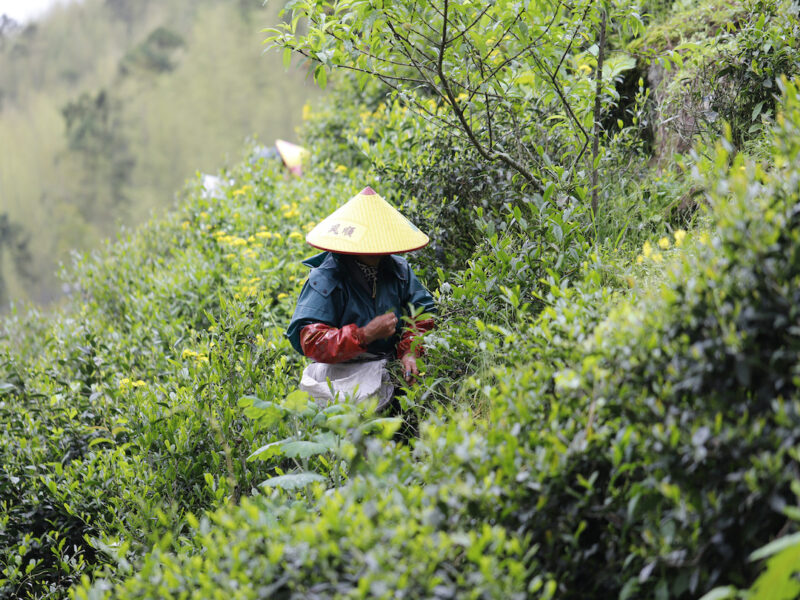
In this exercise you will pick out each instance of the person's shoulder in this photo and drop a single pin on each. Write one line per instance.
(325, 277)
(400, 266)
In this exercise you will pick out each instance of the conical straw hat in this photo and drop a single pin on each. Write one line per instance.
(367, 224)
(291, 154)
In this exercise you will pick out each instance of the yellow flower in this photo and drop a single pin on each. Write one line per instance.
(242, 190)
(204, 215)
(138, 383)
(187, 353)
(647, 249)
(295, 236)
(340, 169)
(663, 243)
(679, 235)
(260, 339)
(585, 68)
(263, 235)
(277, 235)
(639, 259)
(124, 384)
(281, 296)
(306, 111)
(657, 257)
(185, 224)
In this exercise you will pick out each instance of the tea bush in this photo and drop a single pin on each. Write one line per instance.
(607, 407)
(128, 405)
(628, 446)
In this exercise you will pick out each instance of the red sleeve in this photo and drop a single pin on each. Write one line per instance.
(404, 345)
(327, 344)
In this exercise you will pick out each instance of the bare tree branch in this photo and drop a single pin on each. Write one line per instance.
(601, 46)
(471, 25)
(560, 93)
(504, 157)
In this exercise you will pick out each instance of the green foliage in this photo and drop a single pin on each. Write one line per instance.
(607, 407)
(494, 76)
(108, 107)
(745, 88)
(719, 64)
(109, 438)
(154, 53)
(616, 446)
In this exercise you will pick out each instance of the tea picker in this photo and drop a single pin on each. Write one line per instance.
(349, 315)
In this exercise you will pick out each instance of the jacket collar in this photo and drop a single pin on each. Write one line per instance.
(331, 260)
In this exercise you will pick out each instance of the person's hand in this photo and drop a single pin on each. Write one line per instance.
(410, 370)
(381, 327)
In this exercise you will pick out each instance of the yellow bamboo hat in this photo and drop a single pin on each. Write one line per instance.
(291, 154)
(367, 224)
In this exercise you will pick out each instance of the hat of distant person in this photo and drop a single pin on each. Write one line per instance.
(292, 155)
(367, 224)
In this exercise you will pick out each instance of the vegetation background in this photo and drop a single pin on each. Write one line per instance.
(609, 406)
(108, 105)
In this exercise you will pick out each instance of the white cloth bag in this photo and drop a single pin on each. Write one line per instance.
(354, 382)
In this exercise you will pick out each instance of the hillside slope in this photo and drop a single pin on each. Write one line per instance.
(106, 106)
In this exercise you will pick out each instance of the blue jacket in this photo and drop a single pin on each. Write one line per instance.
(333, 295)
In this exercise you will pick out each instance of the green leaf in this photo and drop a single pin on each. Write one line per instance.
(297, 401)
(386, 426)
(341, 422)
(302, 448)
(266, 451)
(526, 78)
(97, 441)
(721, 593)
(321, 76)
(779, 581)
(782, 543)
(287, 58)
(291, 481)
(246, 401)
(617, 64)
(757, 110)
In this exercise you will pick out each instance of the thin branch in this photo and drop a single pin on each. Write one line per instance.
(572, 39)
(305, 54)
(560, 93)
(460, 114)
(471, 25)
(407, 47)
(369, 54)
(601, 46)
(500, 66)
(407, 52)
(505, 33)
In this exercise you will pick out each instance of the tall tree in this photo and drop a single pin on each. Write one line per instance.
(13, 240)
(95, 137)
(502, 73)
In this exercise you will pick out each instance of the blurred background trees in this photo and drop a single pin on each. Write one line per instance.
(108, 106)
